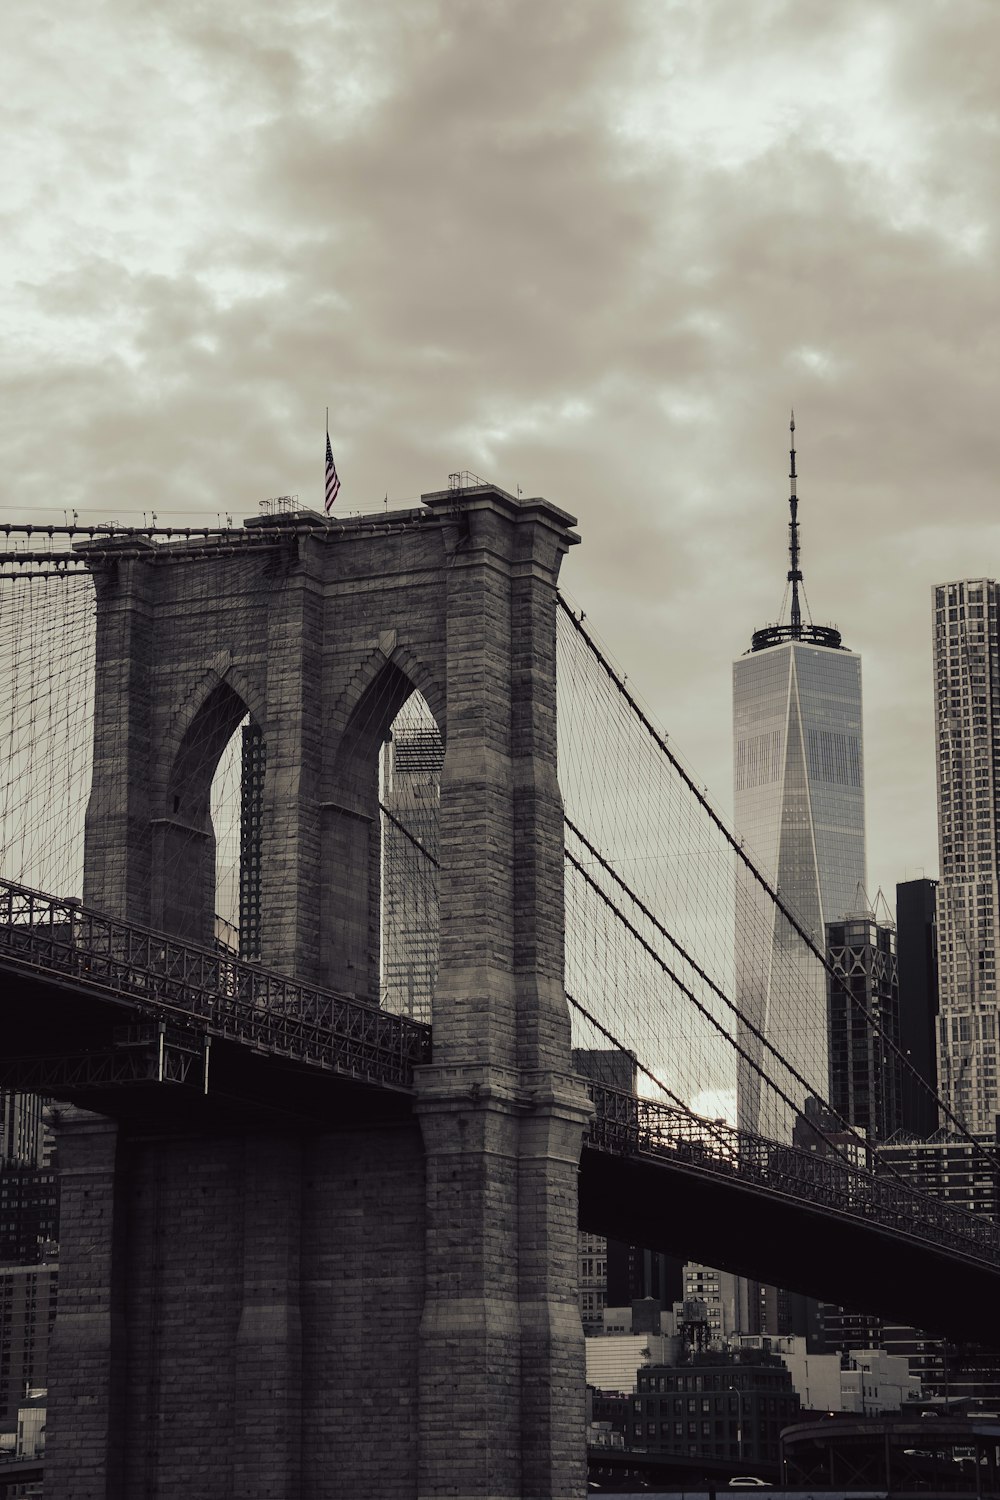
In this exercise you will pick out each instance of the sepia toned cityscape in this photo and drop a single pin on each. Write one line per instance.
(499, 751)
(328, 1004)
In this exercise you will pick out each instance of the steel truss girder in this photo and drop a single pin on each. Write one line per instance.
(626, 1125)
(220, 995)
(145, 1055)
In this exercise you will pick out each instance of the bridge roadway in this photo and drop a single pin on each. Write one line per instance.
(144, 1028)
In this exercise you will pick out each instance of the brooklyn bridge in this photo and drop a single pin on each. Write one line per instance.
(329, 1124)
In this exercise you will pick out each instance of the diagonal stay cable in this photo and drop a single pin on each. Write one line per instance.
(609, 1036)
(578, 1005)
(669, 972)
(761, 879)
(683, 953)
(408, 835)
(703, 1009)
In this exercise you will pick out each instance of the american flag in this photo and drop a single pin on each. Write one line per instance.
(332, 480)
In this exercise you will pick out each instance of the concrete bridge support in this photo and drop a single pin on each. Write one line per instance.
(386, 1311)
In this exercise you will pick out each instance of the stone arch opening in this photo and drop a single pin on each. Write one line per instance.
(237, 810)
(377, 883)
(410, 795)
(185, 843)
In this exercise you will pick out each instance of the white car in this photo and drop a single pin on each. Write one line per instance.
(749, 1482)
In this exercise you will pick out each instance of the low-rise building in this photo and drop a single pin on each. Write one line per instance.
(873, 1382)
(815, 1377)
(719, 1404)
(868, 1381)
(613, 1361)
(31, 1424)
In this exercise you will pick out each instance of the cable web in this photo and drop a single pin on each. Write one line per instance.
(653, 909)
(676, 941)
(46, 726)
(410, 795)
(677, 950)
(47, 646)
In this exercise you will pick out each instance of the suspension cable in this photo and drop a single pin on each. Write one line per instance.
(771, 891)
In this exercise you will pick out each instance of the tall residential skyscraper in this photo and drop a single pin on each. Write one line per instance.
(799, 804)
(967, 692)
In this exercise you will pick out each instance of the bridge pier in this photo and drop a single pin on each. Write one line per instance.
(86, 1368)
(501, 1401)
(267, 1405)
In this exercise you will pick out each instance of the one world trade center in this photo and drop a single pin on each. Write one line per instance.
(799, 808)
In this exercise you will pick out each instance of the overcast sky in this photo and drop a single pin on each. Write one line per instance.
(594, 248)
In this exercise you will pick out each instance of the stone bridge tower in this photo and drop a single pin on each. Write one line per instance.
(382, 1308)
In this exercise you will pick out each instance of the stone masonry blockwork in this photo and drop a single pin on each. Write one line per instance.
(383, 1308)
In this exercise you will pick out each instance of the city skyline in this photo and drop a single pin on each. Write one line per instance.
(595, 252)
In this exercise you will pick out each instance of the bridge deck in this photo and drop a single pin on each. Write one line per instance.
(656, 1177)
(96, 978)
(137, 1025)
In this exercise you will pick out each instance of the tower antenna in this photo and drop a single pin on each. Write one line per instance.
(777, 634)
(794, 572)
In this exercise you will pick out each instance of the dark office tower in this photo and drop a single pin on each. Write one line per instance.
(865, 1069)
(254, 765)
(607, 1066)
(799, 803)
(635, 1273)
(967, 693)
(916, 957)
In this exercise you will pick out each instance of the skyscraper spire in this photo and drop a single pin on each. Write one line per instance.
(814, 635)
(794, 572)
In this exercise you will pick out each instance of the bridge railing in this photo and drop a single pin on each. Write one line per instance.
(629, 1126)
(165, 978)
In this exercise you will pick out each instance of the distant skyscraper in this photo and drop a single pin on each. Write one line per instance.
(411, 793)
(967, 691)
(253, 768)
(916, 952)
(799, 804)
(865, 1070)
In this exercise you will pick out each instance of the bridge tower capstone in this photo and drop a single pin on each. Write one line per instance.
(374, 1307)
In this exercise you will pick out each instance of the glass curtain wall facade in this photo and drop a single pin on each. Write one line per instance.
(799, 805)
(967, 690)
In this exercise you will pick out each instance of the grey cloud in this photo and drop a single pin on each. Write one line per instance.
(444, 220)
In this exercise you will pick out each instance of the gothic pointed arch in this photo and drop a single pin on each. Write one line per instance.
(200, 748)
(388, 652)
(222, 682)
